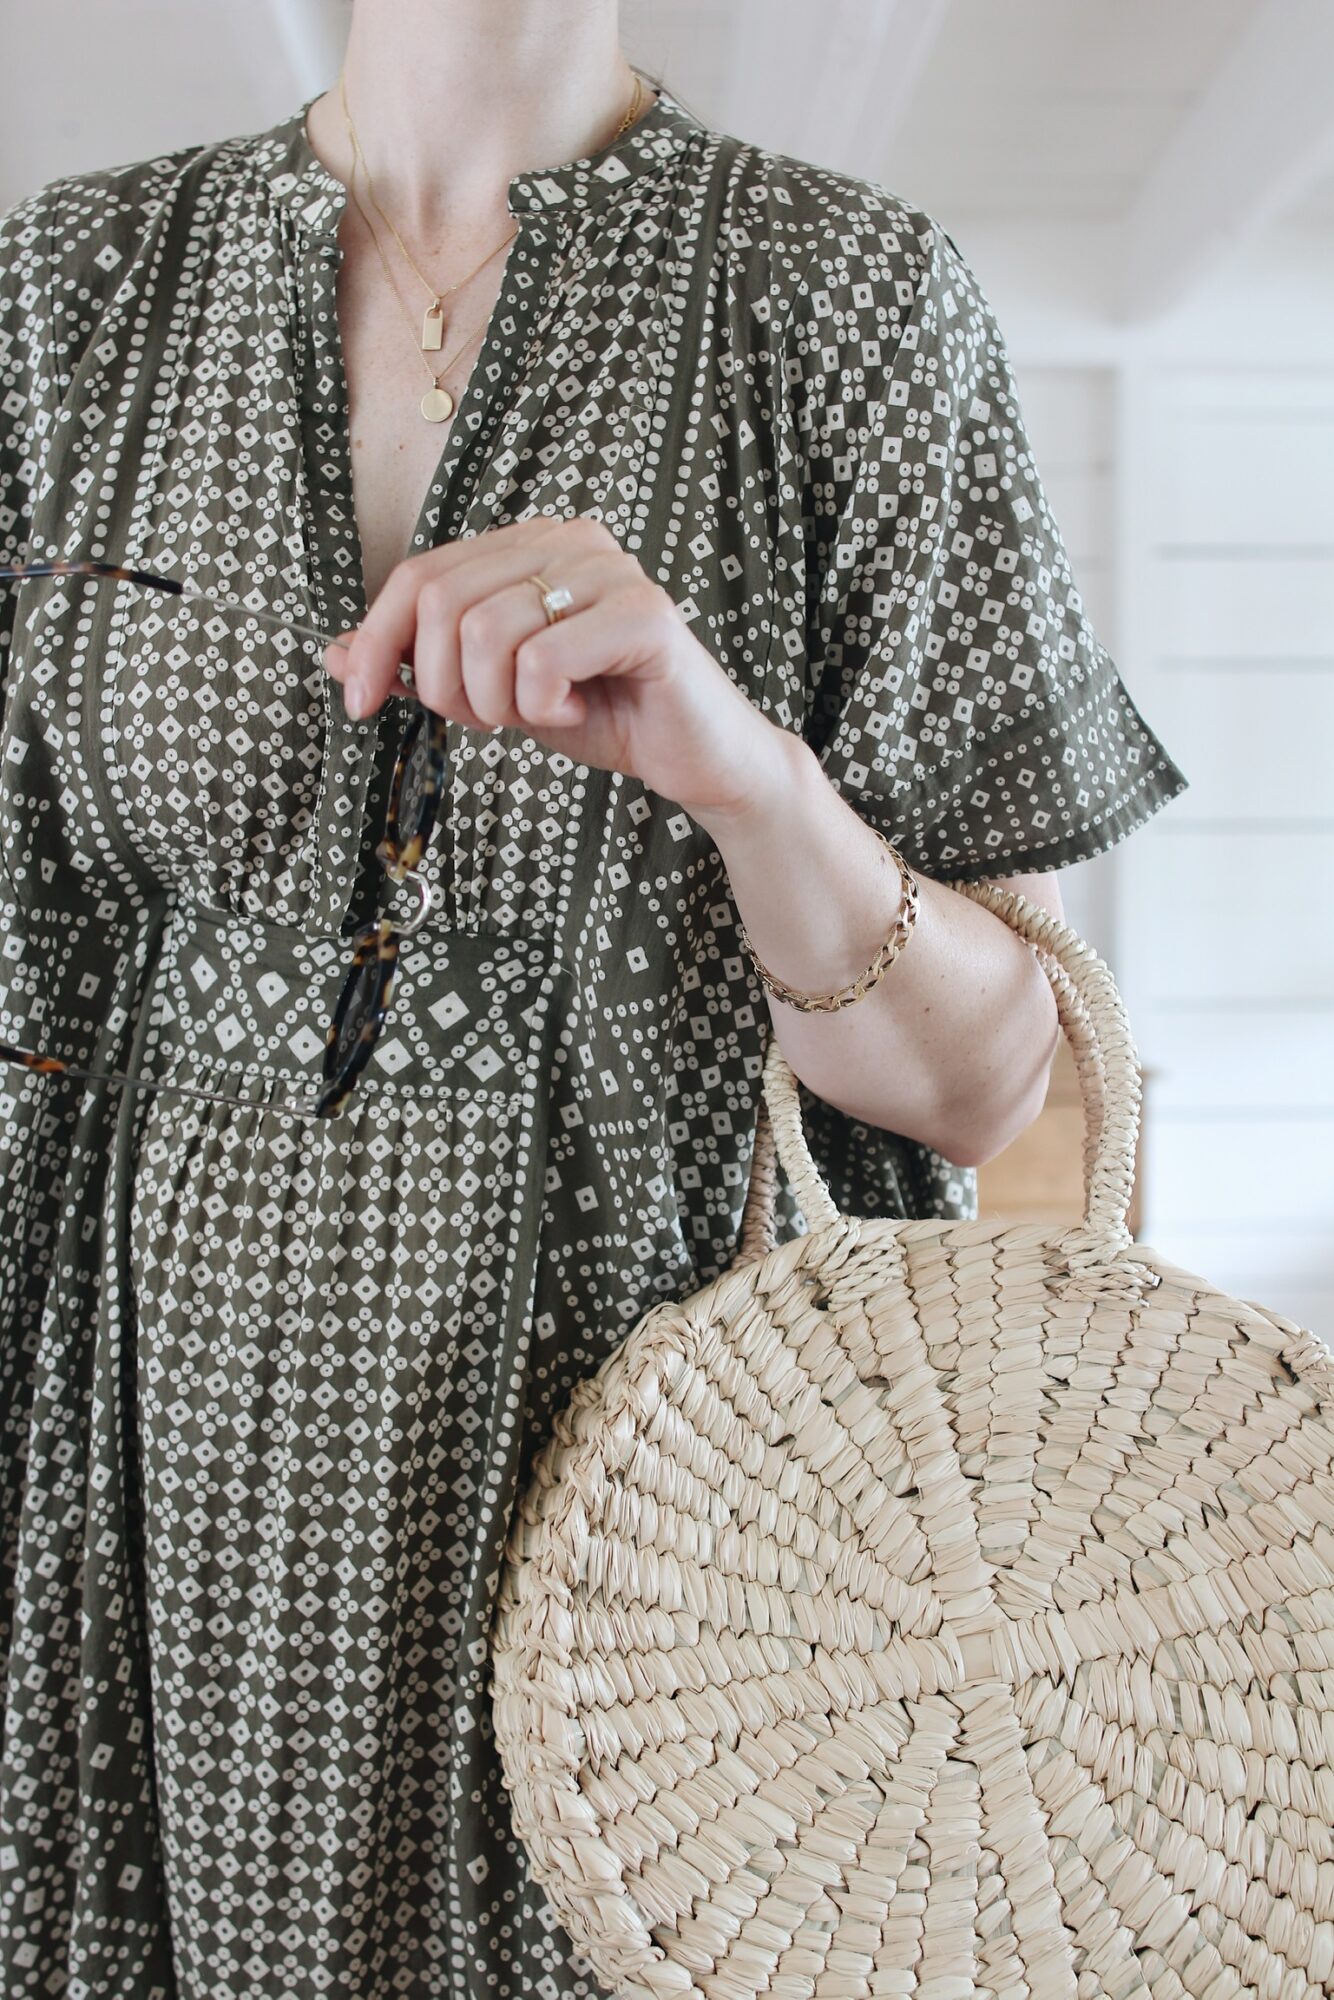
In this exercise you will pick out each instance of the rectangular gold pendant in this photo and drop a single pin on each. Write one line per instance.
(433, 327)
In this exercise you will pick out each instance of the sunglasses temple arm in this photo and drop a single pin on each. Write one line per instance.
(182, 588)
(174, 587)
(226, 599)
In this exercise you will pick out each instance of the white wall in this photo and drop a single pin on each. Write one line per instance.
(1070, 416)
(1234, 569)
(1191, 465)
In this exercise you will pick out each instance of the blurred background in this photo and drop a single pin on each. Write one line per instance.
(1145, 189)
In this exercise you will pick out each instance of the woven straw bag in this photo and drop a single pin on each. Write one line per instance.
(937, 1608)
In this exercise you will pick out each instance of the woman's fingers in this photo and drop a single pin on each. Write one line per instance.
(462, 570)
(337, 655)
(463, 578)
(519, 668)
(436, 674)
(337, 661)
(384, 640)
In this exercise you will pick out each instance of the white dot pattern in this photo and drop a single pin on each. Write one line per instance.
(270, 1390)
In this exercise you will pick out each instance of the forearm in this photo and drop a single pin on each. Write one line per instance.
(953, 1044)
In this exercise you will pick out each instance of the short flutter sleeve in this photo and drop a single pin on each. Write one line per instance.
(957, 694)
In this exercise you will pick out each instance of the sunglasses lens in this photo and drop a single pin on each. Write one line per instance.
(361, 1008)
(416, 798)
(416, 793)
(358, 1016)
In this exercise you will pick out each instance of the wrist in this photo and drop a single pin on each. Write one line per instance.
(783, 767)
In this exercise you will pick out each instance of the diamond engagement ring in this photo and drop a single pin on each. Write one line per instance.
(555, 602)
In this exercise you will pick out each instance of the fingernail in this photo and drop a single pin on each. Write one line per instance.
(355, 697)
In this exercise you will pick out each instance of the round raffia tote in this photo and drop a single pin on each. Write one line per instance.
(937, 1608)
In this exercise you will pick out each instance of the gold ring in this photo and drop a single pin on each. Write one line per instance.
(556, 601)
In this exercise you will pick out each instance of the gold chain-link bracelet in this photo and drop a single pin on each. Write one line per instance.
(828, 1003)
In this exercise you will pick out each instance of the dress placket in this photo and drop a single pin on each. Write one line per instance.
(358, 749)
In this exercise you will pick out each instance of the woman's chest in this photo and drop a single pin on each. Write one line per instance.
(394, 450)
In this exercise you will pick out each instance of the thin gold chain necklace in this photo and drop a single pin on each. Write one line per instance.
(436, 404)
(432, 325)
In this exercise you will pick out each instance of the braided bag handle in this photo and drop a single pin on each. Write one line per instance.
(1094, 1020)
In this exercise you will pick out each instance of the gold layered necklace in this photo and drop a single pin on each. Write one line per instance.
(436, 404)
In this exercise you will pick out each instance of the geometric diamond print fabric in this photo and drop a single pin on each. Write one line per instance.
(269, 1390)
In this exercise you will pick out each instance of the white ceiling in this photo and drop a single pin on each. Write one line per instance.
(1043, 109)
(1054, 107)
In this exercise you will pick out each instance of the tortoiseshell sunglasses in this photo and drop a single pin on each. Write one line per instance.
(414, 795)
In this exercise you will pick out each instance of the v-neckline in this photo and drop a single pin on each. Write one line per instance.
(360, 750)
(534, 197)
(550, 206)
(464, 425)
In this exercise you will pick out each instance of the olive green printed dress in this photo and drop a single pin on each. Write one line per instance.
(270, 1386)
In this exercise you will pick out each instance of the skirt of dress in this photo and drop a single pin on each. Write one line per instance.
(332, 1322)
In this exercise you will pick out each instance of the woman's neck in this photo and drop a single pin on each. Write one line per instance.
(452, 98)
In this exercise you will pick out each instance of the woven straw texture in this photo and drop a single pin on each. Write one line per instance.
(936, 1608)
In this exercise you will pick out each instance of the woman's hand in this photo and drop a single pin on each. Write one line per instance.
(617, 682)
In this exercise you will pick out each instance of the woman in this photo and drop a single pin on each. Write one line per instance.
(273, 1383)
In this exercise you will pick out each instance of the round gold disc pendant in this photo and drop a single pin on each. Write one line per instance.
(437, 404)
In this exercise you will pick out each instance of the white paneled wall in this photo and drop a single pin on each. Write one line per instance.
(1069, 415)
(1197, 504)
(1225, 948)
